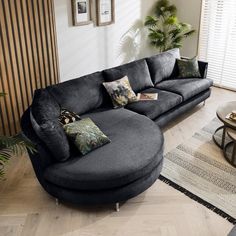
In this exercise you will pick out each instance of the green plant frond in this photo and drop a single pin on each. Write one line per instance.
(177, 45)
(156, 36)
(161, 7)
(185, 26)
(2, 94)
(174, 32)
(178, 39)
(171, 20)
(150, 21)
(16, 144)
(189, 33)
(172, 9)
(1, 173)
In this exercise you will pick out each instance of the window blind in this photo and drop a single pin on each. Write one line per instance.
(217, 43)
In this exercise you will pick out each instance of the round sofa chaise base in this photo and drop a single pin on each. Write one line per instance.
(114, 195)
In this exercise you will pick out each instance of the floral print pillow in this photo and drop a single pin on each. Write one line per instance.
(67, 117)
(86, 135)
(188, 68)
(120, 92)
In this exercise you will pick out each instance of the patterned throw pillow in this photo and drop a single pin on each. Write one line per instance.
(188, 68)
(67, 117)
(120, 92)
(86, 135)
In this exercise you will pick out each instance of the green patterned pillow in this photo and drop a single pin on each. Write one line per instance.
(86, 135)
(188, 68)
(120, 92)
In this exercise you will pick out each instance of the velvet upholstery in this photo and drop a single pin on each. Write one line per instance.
(171, 115)
(137, 72)
(81, 95)
(44, 107)
(128, 134)
(163, 66)
(44, 119)
(153, 109)
(106, 196)
(187, 87)
(203, 66)
(133, 160)
(53, 135)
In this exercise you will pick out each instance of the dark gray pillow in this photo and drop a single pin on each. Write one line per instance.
(163, 66)
(137, 72)
(52, 134)
(188, 68)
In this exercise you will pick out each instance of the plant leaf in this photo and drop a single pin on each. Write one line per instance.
(150, 21)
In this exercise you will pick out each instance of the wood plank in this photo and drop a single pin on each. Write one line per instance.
(44, 43)
(14, 80)
(29, 48)
(16, 54)
(26, 79)
(55, 46)
(37, 75)
(53, 43)
(39, 44)
(48, 40)
(8, 85)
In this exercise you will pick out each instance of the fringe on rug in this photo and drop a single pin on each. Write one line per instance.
(198, 199)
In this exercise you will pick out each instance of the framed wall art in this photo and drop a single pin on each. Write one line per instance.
(105, 12)
(81, 11)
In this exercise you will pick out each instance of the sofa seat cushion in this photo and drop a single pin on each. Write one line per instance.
(153, 109)
(135, 150)
(137, 72)
(187, 88)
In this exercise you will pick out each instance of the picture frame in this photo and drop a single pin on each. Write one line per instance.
(81, 12)
(105, 10)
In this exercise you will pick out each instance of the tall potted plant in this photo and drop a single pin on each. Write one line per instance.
(165, 30)
(12, 146)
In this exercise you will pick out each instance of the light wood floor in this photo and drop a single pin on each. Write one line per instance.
(25, 209)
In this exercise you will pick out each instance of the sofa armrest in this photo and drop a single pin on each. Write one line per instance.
(203, 66)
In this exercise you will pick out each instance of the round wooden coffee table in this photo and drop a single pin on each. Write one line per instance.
(221, 113)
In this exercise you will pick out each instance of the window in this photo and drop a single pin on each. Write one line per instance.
(217, 43)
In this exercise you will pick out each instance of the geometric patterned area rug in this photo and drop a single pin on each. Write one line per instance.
(198, 169)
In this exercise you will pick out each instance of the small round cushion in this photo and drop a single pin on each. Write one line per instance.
(136, 148)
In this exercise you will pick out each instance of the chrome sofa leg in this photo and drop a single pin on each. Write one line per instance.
(204, 103)
(57, 201)
(117, 207)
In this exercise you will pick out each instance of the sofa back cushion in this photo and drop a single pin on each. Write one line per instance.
(81, 95)
(137, 73)
(163, 66)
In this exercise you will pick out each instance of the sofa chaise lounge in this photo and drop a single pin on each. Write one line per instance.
(133, 160)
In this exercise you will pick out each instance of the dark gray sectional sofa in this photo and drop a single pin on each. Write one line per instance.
(133, 160)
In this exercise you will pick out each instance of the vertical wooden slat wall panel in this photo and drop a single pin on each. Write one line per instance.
(28, 56)
(53, 30)
(7, 68)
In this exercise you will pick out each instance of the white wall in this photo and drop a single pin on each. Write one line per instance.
(190, 12)
(86, 49)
